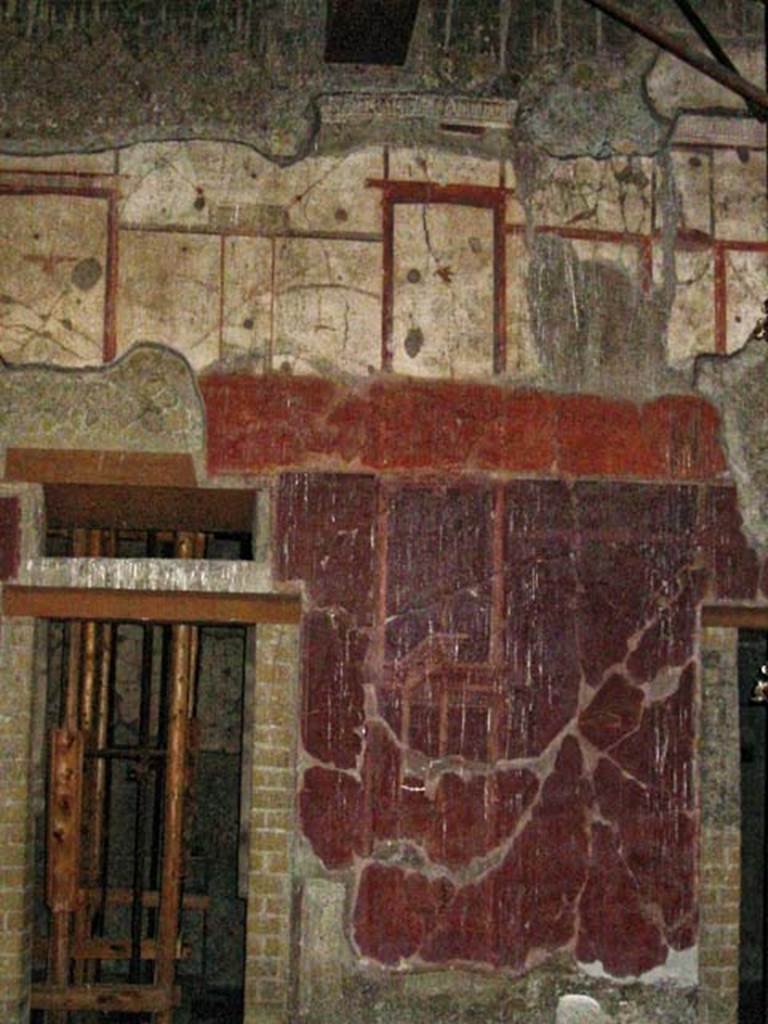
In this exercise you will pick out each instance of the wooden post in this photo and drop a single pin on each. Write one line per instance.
(173, 825)
(174, 793)
(88, 683)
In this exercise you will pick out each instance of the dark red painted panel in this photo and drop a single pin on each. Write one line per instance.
(331, 806)
(612, 714)
(275, 421)
(438, 573)
(579, 582)
(332, 672)
(615, 927)
(9, 537)
(325, 536)
(395, 911)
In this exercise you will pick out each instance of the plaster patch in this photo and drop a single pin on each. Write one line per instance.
(146, 401)
(681, 969)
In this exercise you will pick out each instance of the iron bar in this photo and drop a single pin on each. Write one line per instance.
(706, 65)
(139, 828)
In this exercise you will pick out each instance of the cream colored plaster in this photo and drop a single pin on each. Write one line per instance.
(746, 291)
(330, 194)
(212, 185)
(182, 183)
(740, 199)
(611, 195)
(247, 327)
(693, 179)
(443, 284)
(691, 328)
(169, 292)
(327, 306)
(52, 262)
(673, 85)
(443, 168)
(521, 346)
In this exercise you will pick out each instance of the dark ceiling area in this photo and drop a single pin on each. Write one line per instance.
(369, 31)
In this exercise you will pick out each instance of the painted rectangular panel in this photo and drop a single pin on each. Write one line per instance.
(247, 301)
(53, 251)
(327, 306)
(170, 292)
(443, 291)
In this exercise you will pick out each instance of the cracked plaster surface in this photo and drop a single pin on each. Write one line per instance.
(146, 401)
(522, 740)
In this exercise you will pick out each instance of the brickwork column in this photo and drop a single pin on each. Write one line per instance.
(272, 825)
(720, 842)
(19, 538)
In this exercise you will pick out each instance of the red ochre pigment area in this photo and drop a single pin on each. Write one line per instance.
(9, 537)
(487, 669)
(260, 423)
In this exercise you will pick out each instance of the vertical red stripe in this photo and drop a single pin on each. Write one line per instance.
(721, 303)
(109, 344)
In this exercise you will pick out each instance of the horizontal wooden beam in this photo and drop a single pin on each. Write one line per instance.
(149, 898)
(735, 616)
(117, 998)
(120, 949)
(77, 466)
(102, 605)
(149, 508)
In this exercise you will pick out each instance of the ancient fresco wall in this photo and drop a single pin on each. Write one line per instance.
(603, 275)
(470, 380)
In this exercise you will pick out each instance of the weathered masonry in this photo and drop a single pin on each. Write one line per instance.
(383, 495)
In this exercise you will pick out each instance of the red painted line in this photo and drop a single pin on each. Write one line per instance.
(109, 345)
(429, 192)
(687, 240)
(51, 190)
(30, 172)
(742, 246)
(646, 264)
(385, 162)
(721, 301)
(388, 281)
(499, 290)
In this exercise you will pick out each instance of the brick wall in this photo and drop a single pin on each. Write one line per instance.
(268, 952)
(720, 837)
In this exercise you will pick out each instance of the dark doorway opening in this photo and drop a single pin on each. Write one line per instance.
(113, 718)
(753, 730)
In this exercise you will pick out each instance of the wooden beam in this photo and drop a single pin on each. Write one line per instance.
(117, 998)
(166, 606)
(120, 949)
(722, 75)
(77, 466)
(735, 617)
(149, 898)
(144, 507)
